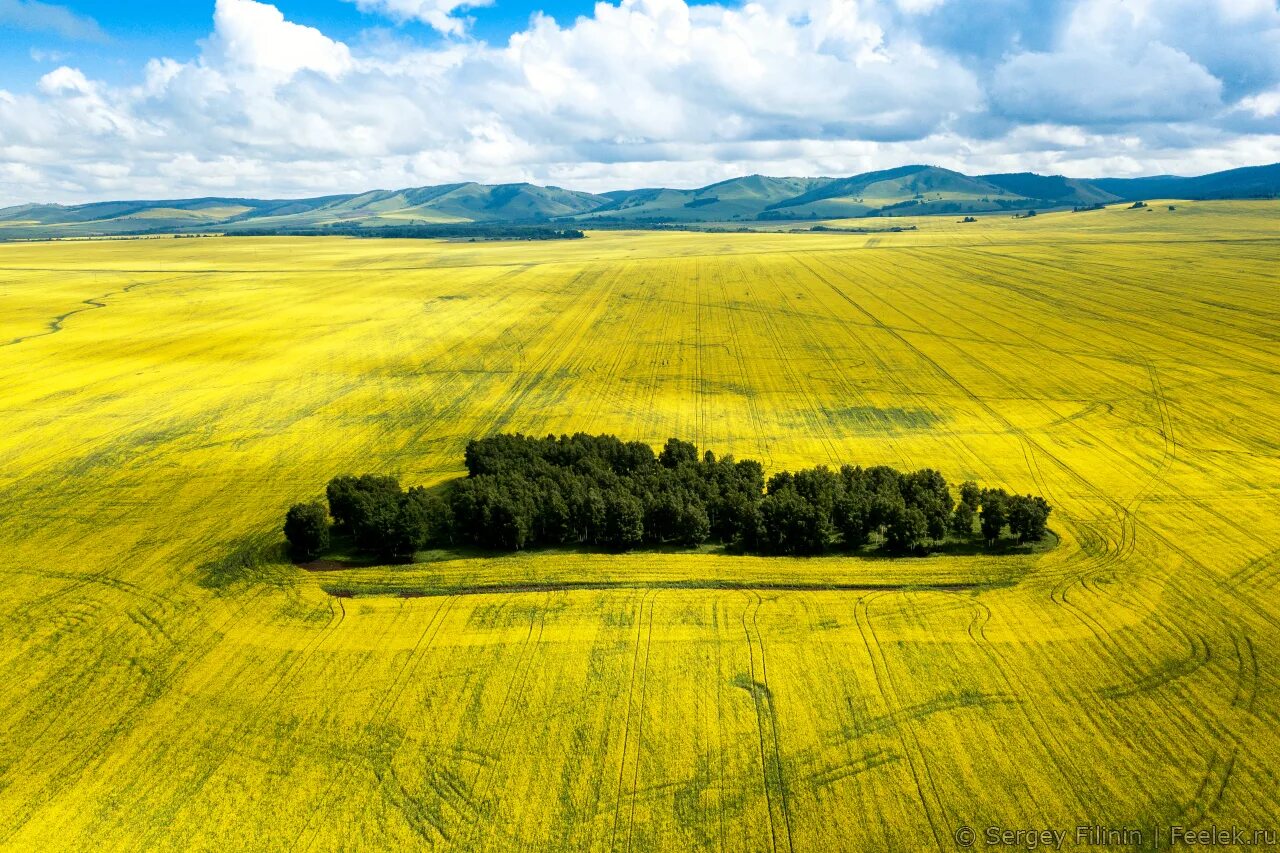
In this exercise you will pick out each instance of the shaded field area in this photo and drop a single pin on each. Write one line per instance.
(677, 569)
(170, 684)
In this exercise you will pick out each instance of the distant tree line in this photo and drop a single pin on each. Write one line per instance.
(478, 231)
(524, 492)
(892, 229)
(784, 215)
(667, 223)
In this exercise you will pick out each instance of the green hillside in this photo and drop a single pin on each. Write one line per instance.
(1249, 182)
(460, 203)
(734, 199)
(913, 189)
(907, 190)
(1053, 189)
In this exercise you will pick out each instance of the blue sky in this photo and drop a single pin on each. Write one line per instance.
(147, 28)
(292, 98)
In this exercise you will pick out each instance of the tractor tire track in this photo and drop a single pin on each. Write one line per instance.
(767, 730)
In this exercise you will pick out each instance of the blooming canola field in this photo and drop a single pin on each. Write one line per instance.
(168, 683)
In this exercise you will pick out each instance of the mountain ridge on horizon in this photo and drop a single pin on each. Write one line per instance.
(915, 189)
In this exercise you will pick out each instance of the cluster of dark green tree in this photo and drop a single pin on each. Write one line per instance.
(524, 492)
(377, 515)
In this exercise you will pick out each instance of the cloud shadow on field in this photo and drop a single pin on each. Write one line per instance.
(877, 420)
(256, 558)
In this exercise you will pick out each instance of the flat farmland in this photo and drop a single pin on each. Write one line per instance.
(167, 687)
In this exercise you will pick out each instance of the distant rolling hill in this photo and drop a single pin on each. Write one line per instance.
(1249, 182)
(913, 190)
(1054, 189)
(738, 198)
(450, 203)
(922, 189)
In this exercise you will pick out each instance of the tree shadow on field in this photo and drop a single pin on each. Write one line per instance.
(259, 558)
(969, 546)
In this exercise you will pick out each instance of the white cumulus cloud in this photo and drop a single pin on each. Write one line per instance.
(645, 92)
(255, 37)
(437, 13)
(1082, 87)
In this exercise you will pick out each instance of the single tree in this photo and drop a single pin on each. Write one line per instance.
(789, 524)
(1027, 517)
(819, 486)
(508, 524)
(553, 522)
(351, 497)
(424, 520)
(662, 517)
(379, 527)
(907, 530)
(341, 493)
(676, 452)
(736, 520)
(962, 521)
(995, 514)
(779, 481)
(928, 492)
(623, 520)
(306, 526)
(695, 527)
(851, 515)
(593, 516)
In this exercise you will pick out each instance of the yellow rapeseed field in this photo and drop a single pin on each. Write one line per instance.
(164, 401)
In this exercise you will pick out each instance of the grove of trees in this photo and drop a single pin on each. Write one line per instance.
(599, 491)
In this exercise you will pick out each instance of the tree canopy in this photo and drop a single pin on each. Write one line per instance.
(599, 491)
(306, 526)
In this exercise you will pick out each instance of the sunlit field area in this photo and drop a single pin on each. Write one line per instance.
(171, 682)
